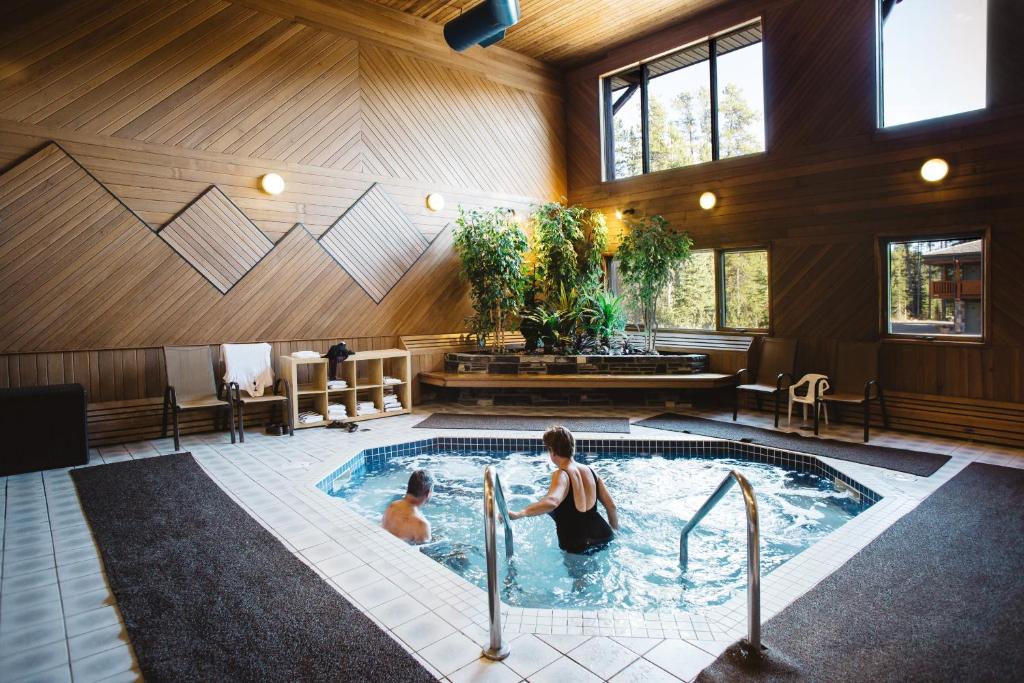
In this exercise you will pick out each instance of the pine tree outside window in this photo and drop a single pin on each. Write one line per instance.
(701, 103)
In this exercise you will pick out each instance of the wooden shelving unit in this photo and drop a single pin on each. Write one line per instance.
(364, 372)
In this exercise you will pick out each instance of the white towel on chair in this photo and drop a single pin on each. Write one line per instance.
(248, 365)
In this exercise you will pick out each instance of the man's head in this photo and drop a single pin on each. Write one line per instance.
(420, 486)
(560, 442)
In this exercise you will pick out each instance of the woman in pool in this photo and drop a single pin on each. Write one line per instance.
(572, 498)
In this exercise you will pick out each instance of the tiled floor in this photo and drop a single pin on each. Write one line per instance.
(58, 620)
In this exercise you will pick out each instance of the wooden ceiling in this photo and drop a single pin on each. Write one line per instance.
(568, 32)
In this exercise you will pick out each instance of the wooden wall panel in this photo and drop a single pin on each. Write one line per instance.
(127, 128)
(217, 239)
(830, 184)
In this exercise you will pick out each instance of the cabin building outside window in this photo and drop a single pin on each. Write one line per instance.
(700, 103)
(935, 287)
(715, 290)
(931, 59)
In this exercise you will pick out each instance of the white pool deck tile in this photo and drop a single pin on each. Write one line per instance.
(59, 621)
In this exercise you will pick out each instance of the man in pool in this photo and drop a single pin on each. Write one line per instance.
(403, 518)
(572, 498)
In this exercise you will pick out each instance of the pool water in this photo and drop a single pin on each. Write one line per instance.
(639, 569)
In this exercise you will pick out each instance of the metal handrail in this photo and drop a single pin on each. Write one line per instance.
(494, 502)
(753, 549)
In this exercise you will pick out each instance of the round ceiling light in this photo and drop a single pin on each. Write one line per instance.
(435, 201)
(272, 183)
(934, 170)
(708, 200)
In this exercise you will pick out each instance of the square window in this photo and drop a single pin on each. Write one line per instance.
(935, 287)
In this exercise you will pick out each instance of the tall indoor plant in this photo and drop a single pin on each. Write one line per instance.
(568, 242)
(491, 247)
(648, 255)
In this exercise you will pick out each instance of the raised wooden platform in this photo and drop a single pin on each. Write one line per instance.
(456, 380)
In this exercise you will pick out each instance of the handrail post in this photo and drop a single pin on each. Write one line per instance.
(753, 549)
(497, 648)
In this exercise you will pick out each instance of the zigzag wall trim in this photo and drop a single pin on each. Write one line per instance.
(217, 239)
(375, 242)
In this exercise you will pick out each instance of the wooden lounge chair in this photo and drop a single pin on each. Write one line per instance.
(775, 365)
(191, 386)
(855, 382)
(240, 398)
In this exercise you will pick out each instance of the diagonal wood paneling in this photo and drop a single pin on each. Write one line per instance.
(78, 268)
(218, 239)
(83, 272)
(424, 133)
(374, 242)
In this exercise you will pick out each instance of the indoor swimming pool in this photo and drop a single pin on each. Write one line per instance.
(655, 495)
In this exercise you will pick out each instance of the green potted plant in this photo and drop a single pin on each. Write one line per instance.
(648, 255)
(568, 242)
(491, 248)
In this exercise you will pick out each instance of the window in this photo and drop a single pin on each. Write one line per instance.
(935, 287)
(688, 301)
(714, 290)
(700, 103)
(932, 56)
(744, 288)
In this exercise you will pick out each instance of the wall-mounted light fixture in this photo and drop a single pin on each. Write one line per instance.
(435, 201)
(934, 170)
(621, 213)
(708, 200)
(271, 183)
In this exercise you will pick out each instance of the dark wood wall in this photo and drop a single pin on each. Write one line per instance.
(132, 139)
(830, 183)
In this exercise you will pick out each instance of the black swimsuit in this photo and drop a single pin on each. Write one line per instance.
(580, 531)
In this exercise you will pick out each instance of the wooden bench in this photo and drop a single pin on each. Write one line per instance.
(727, 353)
(467, 380)
(427, 350)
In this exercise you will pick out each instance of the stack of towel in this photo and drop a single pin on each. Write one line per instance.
(366, 408)
(392, 380)
(337, 411)
(336, 384)
(391, 403)
(309, 417)
(305, 355)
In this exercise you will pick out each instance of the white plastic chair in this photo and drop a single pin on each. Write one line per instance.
(812, 383)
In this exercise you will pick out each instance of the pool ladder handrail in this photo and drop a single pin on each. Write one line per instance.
(753, 549)
(494, 502)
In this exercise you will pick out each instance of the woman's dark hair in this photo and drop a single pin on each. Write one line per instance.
(420, 483)
(560, 441)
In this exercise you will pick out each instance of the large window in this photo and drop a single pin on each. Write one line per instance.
(716, 289)
(935, 287)
(701, 103)
(931, 58)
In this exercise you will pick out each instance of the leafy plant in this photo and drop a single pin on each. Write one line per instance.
(648, 255)
(567, 242)
(491, 247)
(610, 317)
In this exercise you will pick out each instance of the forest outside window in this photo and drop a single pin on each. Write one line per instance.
(698, 104)
(936, 287)
(744, 289)
(713, 290)
(932, 58)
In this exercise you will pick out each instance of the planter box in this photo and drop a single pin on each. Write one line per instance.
(512, 364)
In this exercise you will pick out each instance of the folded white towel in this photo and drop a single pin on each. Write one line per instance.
(337, 384)
(305, 354)
(248, 365)
(393, 409)
(392, 380)
(310, 418)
